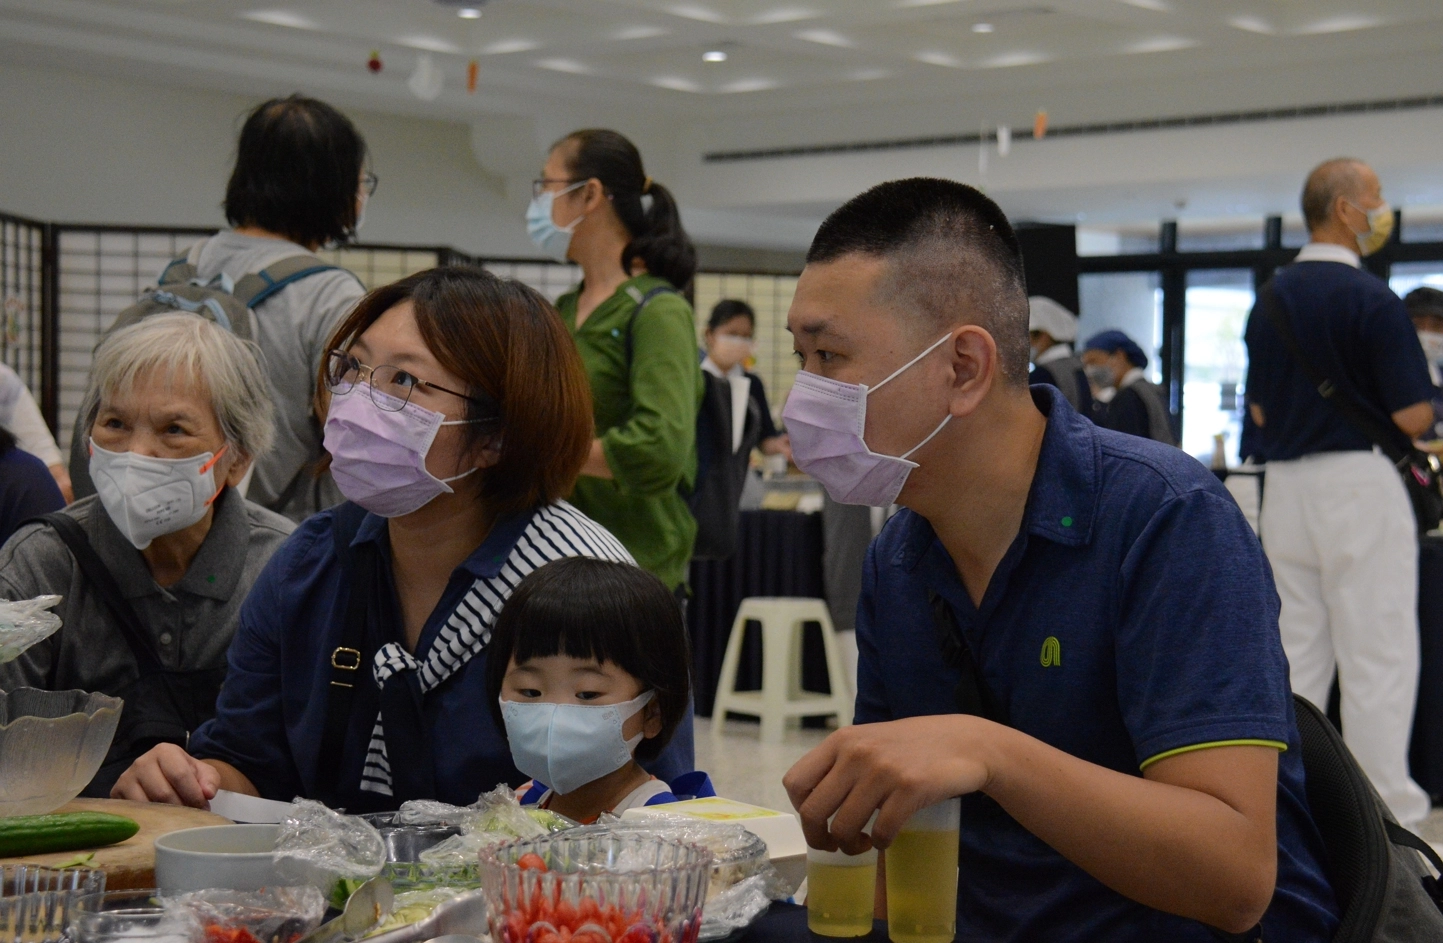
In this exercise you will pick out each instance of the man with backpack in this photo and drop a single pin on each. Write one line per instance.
(299, 183)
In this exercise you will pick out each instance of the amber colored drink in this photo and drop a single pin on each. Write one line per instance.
(840, 896)
(922, 877)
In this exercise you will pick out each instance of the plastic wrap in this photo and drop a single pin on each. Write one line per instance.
(25, 622)
(324, 848)
(461, 851)
(498, 811)
(270, 915)
(413, 907)
(736, 907)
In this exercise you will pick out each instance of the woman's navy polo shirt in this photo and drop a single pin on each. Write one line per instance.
(1134, 617)
(272, 708)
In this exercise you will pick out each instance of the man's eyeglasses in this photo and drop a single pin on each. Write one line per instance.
(369, 181)
(344, 372)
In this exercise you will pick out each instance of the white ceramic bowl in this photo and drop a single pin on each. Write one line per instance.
(231, 856)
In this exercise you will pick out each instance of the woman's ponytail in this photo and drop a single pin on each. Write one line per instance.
(645, 207)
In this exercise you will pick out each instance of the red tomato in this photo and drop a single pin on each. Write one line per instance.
(531, 861)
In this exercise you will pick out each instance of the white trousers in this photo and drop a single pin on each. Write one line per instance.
(1339, 532)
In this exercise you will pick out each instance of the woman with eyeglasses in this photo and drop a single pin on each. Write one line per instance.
(457, 418)
(594, 205)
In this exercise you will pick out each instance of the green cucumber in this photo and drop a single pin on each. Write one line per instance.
(63, 831)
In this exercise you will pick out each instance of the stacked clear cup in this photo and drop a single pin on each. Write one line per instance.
(36, 902)
(922, 876)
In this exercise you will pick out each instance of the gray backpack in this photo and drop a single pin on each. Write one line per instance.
(1378, 869)
(229, 304)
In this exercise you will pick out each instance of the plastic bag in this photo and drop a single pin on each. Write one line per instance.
(498, 811)
(270, 915)
(318, 846)
(736, 907)
(25, 622)
(461, 851)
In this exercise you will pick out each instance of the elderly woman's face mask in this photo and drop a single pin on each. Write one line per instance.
(153, 457)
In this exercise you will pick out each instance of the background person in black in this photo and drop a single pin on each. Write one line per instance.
(729, 343)
(1137, 406)
(1336, 521)
(1052, 329)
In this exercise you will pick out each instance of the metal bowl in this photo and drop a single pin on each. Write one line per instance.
(404, 843)
(51, 744)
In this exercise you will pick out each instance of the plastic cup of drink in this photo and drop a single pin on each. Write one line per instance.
(841, 891)
(922, 876)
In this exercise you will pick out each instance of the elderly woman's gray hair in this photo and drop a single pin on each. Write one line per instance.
(186, 348)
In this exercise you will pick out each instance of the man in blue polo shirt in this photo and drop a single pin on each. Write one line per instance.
(1141, 777)
(1336, 519)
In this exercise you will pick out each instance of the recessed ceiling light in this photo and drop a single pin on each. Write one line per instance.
(749, 85)
(639, 32)
(983, 28)
(826, 37)
(939, 58)
(714, 55)
(1157, 6)
(429, 43)
(922, 3)
(785, 15)
(1160, 44)
(570, 66)
(869, 75)
(1252, 24)
(469, 13)
(675, 83)
(1009, 60)
(692, 11)
(503, 46)
(1344, 23)
(280, 18)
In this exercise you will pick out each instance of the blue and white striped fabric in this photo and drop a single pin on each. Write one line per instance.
(555, 532)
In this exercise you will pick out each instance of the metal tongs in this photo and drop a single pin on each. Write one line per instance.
(368, 906)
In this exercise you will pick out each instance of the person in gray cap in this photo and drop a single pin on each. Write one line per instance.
(1138, 407)
(1052, 329)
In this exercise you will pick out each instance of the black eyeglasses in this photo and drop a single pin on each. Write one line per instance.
(369, 181)
(539, 185)
(343, 372)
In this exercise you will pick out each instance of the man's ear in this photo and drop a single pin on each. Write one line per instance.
(974, 368)
(238, 468)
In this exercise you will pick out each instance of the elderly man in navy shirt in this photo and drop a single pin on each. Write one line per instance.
(1135, 772)
(1336, 520)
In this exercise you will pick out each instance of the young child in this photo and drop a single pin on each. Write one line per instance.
(589, 672)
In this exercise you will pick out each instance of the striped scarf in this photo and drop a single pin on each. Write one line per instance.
(555, 532)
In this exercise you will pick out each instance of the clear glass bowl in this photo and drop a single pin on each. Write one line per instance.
(51, 744)
(596, 888)
(131, 915)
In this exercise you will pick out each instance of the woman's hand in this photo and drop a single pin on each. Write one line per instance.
(169, 774)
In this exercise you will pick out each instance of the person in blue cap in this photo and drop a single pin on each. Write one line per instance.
(1136, 406)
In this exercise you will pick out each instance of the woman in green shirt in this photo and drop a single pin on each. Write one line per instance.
(595, 205)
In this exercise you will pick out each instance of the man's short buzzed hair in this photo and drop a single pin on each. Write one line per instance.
(1339, 177)
(952, 256)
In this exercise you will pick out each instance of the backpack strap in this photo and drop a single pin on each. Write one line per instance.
(251, 290)
(641, 302)
(98, 575)
(350, 658)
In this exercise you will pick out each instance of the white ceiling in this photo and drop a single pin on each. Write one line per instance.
(782, 54)
(797, 71)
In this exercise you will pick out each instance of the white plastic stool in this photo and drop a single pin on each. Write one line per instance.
(781, 696)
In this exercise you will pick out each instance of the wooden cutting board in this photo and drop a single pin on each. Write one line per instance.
(130, 864)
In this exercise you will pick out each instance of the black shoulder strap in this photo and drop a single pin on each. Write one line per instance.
(1399, 835)
(641, 303)
(348, 659)
(973, 696)
(1357, 415)
(98, 575)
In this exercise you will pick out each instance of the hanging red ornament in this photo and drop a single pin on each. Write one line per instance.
(473, 72)
(374, 63)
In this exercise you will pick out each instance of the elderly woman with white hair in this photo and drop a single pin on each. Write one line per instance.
(154, 567)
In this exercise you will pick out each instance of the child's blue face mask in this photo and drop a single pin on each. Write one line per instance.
(567, 746)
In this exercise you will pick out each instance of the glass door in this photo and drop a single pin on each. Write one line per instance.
(1215, 359)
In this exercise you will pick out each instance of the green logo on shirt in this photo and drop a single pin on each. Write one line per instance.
(1051, 651)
